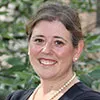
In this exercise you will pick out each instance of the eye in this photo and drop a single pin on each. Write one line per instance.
(38, 41)
(59, 43)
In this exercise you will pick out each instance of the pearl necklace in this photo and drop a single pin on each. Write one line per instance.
(62, 88)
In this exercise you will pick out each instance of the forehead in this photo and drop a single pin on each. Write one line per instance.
(50, 28)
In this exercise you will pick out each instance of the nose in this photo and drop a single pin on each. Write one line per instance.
(47, 48)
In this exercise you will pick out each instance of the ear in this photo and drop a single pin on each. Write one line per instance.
(78, 50)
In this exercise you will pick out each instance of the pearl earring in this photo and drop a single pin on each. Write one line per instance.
(75, 59)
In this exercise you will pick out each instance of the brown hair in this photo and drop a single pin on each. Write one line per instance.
(60, 11)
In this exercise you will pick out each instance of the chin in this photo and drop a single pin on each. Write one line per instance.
(47, 76)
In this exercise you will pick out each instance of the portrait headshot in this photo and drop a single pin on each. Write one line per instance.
(55, 43)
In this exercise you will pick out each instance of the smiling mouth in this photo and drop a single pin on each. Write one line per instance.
(47, 62)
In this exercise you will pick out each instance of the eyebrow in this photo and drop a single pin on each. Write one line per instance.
(60, 38)
(38, 36)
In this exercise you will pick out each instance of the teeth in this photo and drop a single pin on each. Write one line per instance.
(47, 62)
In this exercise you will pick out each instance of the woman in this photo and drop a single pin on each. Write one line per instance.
(55, 43)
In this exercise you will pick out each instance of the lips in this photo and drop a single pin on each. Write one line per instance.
(47, 62)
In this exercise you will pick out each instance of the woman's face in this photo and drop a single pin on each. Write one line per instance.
(51, 51)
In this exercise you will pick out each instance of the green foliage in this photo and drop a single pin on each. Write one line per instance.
(84, 5)
(15, 70)
(88, 68)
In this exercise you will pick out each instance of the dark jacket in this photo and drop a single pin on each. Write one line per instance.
(77, 92)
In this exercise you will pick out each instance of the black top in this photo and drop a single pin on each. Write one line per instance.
(79, 91)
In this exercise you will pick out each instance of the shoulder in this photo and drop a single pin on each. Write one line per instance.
(88, 95)
(80, 92)
(85, 93)
(20, 95)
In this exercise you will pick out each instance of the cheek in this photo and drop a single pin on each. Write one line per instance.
(33, 54)
(65, 53)
(33, 50)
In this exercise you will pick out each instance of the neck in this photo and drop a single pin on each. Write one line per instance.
(48, 86)
(53, 90)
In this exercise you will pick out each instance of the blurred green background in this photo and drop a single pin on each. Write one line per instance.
(15, 69)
